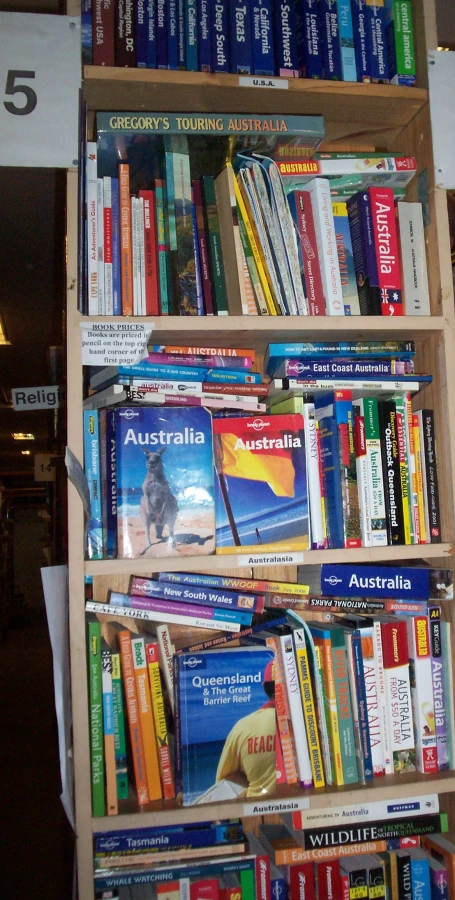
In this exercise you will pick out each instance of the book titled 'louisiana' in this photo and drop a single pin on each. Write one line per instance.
(261, 489)
(233, 755)
(165, 482)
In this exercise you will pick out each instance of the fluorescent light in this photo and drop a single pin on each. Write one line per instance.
(26, 452)
(22, 436)
(3, 335)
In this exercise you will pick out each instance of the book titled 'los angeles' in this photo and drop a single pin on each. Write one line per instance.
(261, 497)
(165, 482)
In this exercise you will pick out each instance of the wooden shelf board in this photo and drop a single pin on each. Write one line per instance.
(377, 112)
(394, 787)
(219, 563)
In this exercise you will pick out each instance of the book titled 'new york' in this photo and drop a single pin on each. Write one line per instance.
(165, 482)
(232, 693)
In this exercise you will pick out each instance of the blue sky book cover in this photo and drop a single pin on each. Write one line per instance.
(232, 693)
(260, 491)
(165, 490)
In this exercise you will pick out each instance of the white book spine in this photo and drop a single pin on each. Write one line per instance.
(373, 710)
(263, 235)
(416, 295)
(107, 223)
(422, 694)
(426, 511)
(184, 885)
(289, 238)
(167, 659)
(135, 255)
(272, 226)
(92, 229)
(382, 696)
(361, 465)
(358, 388)
(141, 238)
(375, 811)
(296, 710)
(100, 244)
(150, 615)
(313, 477)
(399, 713)
(321, 204)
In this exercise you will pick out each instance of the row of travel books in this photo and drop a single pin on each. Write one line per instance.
(260, 237)
(283, 700)
(346, 41)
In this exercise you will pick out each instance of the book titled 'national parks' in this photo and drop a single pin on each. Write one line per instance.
(165, 482)
(261, 497)
(232, 692)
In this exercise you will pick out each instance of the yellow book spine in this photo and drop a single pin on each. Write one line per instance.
(255, 247)
(309, 712)
(146, 718)
(159, 717)
(330, 699)
(419, 478)
(412, 472)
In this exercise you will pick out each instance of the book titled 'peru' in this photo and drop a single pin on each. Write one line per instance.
(232, 693)
(165, 482)
(261, 490)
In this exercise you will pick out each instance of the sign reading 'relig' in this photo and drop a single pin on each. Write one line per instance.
(36, 397)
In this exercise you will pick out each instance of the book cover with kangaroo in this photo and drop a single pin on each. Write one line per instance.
(165, 482)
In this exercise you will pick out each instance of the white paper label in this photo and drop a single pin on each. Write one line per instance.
(78, 477)
(114, 343)
(271, 807)
(36, 397)
(263, 81)
(269, 559)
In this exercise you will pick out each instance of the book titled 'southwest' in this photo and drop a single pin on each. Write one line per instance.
(233, 755)
(165, 482)
(261, 498)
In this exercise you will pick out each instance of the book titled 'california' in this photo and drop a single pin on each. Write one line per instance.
(261, 488)
(165, 482)
(233, 693)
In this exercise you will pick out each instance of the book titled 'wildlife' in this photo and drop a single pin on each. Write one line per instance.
(232, 692)
(261, 497)
(165, 482)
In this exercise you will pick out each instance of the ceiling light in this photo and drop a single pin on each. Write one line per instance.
(26, 452)
(3, 335)
(22, 436)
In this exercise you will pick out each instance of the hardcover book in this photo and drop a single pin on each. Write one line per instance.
(165, 482)
(262, 459)
(232, 692)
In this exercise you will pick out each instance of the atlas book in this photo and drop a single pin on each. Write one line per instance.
(262, 459)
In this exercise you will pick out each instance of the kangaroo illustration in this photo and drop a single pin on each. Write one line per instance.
(159, 507)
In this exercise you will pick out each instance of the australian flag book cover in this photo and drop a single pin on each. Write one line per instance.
(232, 692)
(165, 482)
(261, 498)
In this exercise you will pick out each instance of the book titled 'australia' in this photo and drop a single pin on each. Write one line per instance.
(165, 482)
(261, 490)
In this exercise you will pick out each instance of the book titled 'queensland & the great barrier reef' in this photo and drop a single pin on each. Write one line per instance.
(261, 497)
(165, 482)
(232, 692)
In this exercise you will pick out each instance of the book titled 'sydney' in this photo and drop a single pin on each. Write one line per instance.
(261, 499)
(232, 693)
(164, 482)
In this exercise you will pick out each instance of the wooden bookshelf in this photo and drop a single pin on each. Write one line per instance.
(363, 116)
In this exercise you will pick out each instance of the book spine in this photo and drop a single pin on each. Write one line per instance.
(149, 737)
(92, 469)
(134, 723)
(219, 21)
(404, 877)
(413, 496)
(309, 708)
(344, 710)
(431, 471)
(203, 248)
(184, 238)
(146, 587)
(391, 471)
(449, 693)
(159, 716)
(215, 252)
(400, 42)
(100, 244)
(333, 412)
(366, 759)
(161, 34)
(91, 190)
(86, 32)
(295, 706)
(126, 254)
(423, 538)
(166, 656)
(333, 368)
(283, 715)
(150, 254)
(330, 40)
(399, 830)
(375, 22)
(240, 37)
(308, 39)
(370, 675)
(439, 688)
(318, 540)
(262, 38)
(141, 34)
(173, 679)
(191, 35)
(135, 257)
(362, 478)
(361, 42)
(414, 276)
(163, 250)
(330, 704)
(181, 37)
(116, 273)
(374, 811)
(439, 884)
(398, 690)
(125, 38)
(345, 259)
(179, 613)
(110, 467)
(257, 273)
(285, 40)
(420, 673)
(382, 696)
(348, 66)
(96, 718)
(368, 409)
(108, 729)
(321, 204)
(204, 37)
(197, 262)
(103, 33)
(420, 877)
(328, 879)
(172, 35)
(404, 468)
(386, 248)
(119, 729)
(150, 18)
(301, 209)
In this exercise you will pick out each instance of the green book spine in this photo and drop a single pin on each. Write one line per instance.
(247, 884)
(163, 250)
(96, 718)
(344, 709)
(216, 255)
(404, 41)
(119, 729)
(183, 221)
(374, 455)
(405, 472)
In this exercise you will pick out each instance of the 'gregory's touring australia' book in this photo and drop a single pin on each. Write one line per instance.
(165, 482)
(261, 490)
(232, 692)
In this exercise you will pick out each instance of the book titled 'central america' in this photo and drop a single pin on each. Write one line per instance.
(261, 500)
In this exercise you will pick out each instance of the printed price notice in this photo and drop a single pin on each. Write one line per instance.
(263, 81)
(114, 343)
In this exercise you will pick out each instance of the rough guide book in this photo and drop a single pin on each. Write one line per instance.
(261, 497)
(165, 482)
(233, 693)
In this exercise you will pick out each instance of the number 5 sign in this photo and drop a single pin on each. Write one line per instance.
(40, 76)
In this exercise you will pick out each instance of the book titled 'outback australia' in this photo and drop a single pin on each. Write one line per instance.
(261, 489)
(232, 692)
(165, 482)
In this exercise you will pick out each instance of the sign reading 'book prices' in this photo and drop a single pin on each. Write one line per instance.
(114, 343)
(40, 78)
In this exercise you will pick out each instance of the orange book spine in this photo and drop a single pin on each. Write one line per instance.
(108, 728)
(444, 855)
(126, 245)
(289, 856)
(209, 351)
(162, 737)
(152, 767)
(283, 716)
(132, 706)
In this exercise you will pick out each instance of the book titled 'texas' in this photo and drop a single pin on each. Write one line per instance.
(232, 693)
(261, 491)
(165, 482)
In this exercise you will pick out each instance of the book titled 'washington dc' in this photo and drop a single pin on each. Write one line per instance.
(233, 693)
(165, 482)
